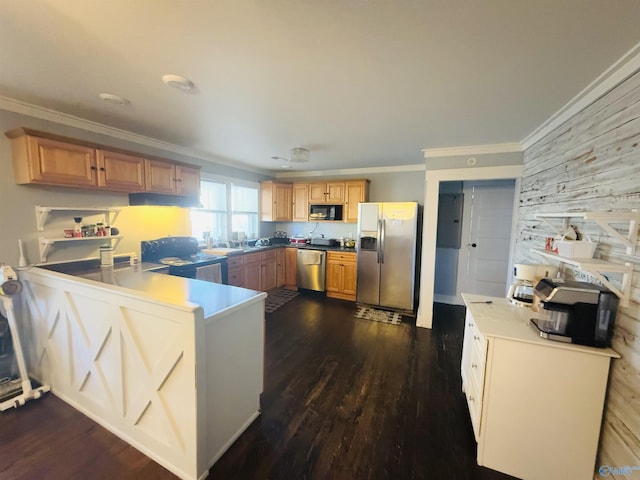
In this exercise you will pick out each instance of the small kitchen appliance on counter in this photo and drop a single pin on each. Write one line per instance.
(574, 312)
(183, 258)
(526, 276)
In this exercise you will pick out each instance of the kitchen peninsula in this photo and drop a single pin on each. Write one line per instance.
(171, 365)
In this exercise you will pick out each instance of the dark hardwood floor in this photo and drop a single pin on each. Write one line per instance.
(344, 399)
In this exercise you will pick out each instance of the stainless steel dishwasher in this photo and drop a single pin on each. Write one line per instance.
(311, 269)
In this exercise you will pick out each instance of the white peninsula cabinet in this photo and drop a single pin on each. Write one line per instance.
(171, 365)
(536, 405)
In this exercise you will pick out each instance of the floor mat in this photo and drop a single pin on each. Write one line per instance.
(368, 313)
(278, 297)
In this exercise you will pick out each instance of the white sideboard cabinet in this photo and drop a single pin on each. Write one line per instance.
(535, 405)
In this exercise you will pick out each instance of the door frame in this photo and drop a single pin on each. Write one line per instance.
(430, 224)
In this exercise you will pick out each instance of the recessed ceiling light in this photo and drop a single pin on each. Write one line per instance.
(115, 99)
(179, 82)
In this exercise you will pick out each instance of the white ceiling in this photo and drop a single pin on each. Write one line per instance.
(361, 83)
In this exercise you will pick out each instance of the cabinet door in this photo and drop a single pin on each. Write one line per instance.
(160, 177)
(188, 179)
(349, 279)
(300, 203)
(317, 192)
(252, 271)
(280, 267)
(236, 276)
(60, 163)
(282, 203)
(355, 192)
(269, 271)
(291, 265)
(118, 171)
(335, 192)
(333, 276)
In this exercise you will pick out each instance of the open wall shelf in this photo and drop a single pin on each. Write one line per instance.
(594, 266)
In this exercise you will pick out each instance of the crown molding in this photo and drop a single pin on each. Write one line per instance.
(472, 150)
(622, 69)
(353, 171)
(30, 110)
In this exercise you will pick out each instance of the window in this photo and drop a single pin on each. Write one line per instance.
(227, 207)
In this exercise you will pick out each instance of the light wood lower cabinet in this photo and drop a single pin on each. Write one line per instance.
(535, 405)
(252, 269)
(235, 270)
(268, 270)
(341, 275)
(255, 270)
(280, 267)
(291, 268)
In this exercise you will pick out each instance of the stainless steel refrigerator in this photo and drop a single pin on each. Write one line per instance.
(387, 247)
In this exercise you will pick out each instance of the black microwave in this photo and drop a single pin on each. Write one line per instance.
(325, 212)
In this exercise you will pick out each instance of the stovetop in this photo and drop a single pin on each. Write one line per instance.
(175, 251)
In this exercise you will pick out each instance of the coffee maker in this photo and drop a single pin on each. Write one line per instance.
(574, 312)
(526, 276)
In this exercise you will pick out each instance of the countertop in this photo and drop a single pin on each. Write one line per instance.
(239, 251)
(501, 319)
(214, 298)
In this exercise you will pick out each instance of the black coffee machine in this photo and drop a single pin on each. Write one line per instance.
(575, 312)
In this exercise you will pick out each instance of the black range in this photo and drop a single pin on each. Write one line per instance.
(182, 255)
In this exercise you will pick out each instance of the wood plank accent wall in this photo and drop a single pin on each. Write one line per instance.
(592, 162)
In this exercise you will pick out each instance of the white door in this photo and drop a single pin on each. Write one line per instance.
(484, 256)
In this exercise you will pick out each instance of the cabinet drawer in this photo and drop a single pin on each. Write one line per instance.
(236, 277)
(341, 257)
(234, 262)
(269, 254)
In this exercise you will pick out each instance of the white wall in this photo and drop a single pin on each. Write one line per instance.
(592, 162)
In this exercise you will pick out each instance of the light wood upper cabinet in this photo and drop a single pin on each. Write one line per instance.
(119, 171)
(188, 180)
(167, 177)
(356, 191)
(52, 162)
(300, 207)
(49, 159)
(326, 192)
(275, 201)
(160, 176)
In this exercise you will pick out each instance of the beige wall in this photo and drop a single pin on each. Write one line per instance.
(592, 162)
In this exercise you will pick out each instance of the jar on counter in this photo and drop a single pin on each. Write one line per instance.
(106, 256)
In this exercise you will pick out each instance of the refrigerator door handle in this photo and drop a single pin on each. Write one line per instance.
(378, 240)
(382, 234)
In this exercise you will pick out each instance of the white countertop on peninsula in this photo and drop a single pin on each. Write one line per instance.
(499, 318)
(214, 298)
